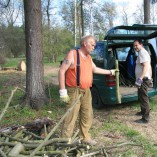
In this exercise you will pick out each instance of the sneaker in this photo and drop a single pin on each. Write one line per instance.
(142, 121)
(139, 113)
(90, 142)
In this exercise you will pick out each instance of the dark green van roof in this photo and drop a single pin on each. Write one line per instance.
(144, 32)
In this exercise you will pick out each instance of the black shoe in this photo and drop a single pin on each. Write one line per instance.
(139, 113)
(142, 121)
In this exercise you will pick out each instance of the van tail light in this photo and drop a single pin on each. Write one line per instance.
(110, 80)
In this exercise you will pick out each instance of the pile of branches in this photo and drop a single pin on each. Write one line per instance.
(24, 141)
(20, 141)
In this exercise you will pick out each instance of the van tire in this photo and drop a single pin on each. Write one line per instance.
(96, 100)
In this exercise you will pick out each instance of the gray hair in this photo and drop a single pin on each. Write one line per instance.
(86, 38)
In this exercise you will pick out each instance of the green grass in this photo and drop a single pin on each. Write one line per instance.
(153, 103)
(13, 62)
(127, 135)
(135, 137)
(19, 114)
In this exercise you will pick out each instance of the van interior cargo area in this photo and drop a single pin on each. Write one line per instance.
(126, 57)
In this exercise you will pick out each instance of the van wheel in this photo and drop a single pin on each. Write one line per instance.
(96, 100)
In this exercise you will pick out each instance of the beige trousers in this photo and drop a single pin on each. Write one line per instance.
(83, 108)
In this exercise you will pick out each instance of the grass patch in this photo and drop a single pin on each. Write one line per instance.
(118, 133)
(131, 135)
(153, 105)
(13, 62)
(19, 114)
(16, 108)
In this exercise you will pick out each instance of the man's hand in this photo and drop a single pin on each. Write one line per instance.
(138, 82)
(64, 96)
(113, 71)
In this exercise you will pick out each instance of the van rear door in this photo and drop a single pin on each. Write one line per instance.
(127, 34)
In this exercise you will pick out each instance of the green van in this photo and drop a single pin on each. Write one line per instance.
(117, 51)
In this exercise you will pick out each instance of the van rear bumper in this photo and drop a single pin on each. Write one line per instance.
(108, 95)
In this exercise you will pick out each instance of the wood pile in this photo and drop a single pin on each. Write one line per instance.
(20, 141)
(38, 139)
(17, 141)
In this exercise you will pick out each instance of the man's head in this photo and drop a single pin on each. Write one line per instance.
(88, 43)
(138, 45)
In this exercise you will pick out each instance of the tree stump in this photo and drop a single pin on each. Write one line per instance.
(21, 66)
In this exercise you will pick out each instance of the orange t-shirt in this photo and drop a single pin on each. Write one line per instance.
(86, 74)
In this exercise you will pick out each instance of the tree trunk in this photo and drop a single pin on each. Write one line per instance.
(146, 11)
(79, 24)
(48, 15)
(82, 17)
(35, 90)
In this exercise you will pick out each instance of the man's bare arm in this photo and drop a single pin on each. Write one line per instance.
(67, 62)
(100, 70)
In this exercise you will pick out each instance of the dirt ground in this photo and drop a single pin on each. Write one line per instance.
(126, 115)
(52, 71)
(123, 113)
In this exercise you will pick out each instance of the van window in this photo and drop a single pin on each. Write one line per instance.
(110, 59)
(122, 53)
(97, 55)
(147, 48)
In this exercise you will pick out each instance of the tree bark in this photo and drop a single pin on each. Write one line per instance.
(48, 14)
(146, 11)
(35, 90)
(82, 17)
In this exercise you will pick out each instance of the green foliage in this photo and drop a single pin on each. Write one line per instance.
(67, 12)
(14, 39)
(97, 19)
(56, 42)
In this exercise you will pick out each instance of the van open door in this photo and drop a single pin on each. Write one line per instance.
(122, 37)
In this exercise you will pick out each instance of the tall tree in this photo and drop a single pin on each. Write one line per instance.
(48, 13)
(146, 11)
(125, 16)
(109, 11)
(139, 15)
(11, 13)
(35, 93)
(14, 40)
(67, 13)
(82, 17)
(153, 12)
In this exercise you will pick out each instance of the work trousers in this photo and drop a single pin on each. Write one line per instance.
(144, 99)
(83, 109)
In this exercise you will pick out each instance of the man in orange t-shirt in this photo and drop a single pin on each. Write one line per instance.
(70, 90)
